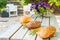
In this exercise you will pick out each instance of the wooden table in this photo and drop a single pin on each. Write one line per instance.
(23, 34)
(16, 32)
(8, 32)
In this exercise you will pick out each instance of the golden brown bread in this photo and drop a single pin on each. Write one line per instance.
(25, 19)
(46, 32)
(34, 24)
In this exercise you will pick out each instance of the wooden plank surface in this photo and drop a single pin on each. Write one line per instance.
(24, 34)
(29, 37)
(57, 37)
(7, 32)
(19, 35)
(53, 22)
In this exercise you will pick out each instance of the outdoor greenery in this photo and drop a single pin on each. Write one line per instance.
(41, 7)
(2, 4)
(26, 2)
(57, 2)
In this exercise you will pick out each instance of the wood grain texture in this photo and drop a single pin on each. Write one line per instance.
(24, 34)
(7, 32)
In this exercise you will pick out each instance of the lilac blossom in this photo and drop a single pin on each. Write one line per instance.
(42, 4)
(46, 5)
(34, 6)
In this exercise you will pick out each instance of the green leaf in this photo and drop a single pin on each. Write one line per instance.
(35, 11)
(33, 32)
(24, 26)
(25, 2)
(57, 2)
(42, 10)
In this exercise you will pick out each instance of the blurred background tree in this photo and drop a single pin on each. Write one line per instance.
(3, 4)
(26, 2)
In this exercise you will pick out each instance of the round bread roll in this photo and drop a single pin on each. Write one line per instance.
(47, 32)
(34, 24)
(25, 19)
